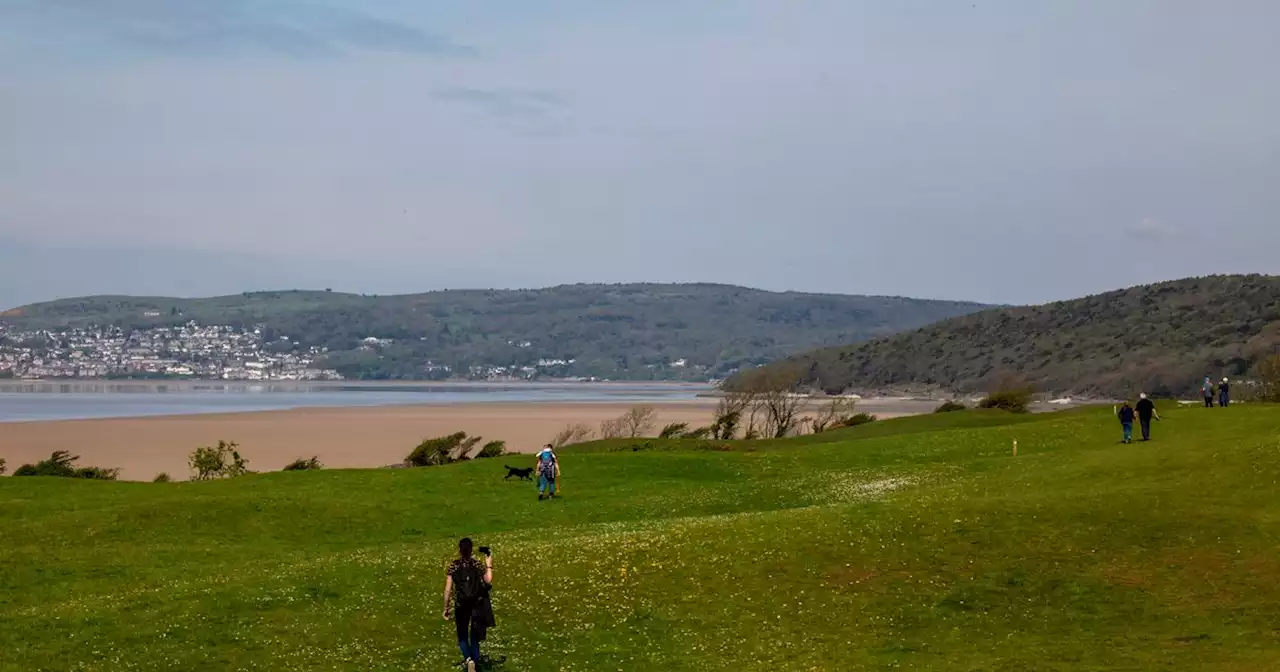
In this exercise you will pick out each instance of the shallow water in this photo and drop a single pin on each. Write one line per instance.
(85, 400)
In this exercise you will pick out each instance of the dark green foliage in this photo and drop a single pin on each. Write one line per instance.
(612, 331)
(442, 450)
(221, 461)
(3, 466)
(1161, 339)
(950, 407)
(858, 419)
(63, 464)
(1015, 399)
(301, 464)
(162, 477)
(673, 430)
(697, 433)
(492, 449)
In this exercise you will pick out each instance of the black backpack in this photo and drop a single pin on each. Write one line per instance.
(468, 581)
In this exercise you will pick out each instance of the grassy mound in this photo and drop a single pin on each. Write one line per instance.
(918, 543)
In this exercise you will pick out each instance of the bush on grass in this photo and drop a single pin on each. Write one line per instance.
(1015, 399)
(442, 450)
(570, 435)
(221, 461)
(492, 449)
(3, 468)
(673, 430)
(63, 464)
(857, 419)
(162, 477)
(950, 407)
(301, 464)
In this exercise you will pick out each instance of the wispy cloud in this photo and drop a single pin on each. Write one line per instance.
(195, 27)
(509, 103)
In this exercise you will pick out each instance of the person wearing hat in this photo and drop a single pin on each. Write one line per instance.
(1146, 410)
(1224, 393)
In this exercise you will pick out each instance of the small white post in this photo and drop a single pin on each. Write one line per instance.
(1015, 447)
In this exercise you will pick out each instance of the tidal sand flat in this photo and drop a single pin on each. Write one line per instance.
(341, 437)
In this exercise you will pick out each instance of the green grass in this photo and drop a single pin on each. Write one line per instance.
(908, 544)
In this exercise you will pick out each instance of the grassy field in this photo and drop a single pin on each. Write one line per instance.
(918, 543)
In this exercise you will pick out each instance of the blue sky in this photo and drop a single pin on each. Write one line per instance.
(994, 151)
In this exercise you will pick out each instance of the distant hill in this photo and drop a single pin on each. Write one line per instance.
(636, 331)
(1162, 338)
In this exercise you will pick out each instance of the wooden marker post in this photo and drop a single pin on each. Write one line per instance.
(1015, 447)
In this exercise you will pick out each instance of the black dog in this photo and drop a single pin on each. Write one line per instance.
(524, 474)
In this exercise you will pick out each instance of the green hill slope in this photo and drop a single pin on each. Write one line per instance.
(1162, 338)
(617, 331)
(894, 546)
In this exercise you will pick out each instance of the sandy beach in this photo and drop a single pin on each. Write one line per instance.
(340, 437)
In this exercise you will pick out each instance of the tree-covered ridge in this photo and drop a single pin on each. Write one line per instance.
(1162, 338)
(637, 331)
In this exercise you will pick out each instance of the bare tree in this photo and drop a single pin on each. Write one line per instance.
(639, 421)
(571, 434)
(611, 429)
(831, 415)
(775, 401)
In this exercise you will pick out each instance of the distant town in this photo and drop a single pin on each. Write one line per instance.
(192, 350)
(212, 352)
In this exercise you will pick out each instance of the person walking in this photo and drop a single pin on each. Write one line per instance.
(548, 466)
(1224, 393)
(1207, 389)
(1146, 411)
(1126, 421)
(466, 599)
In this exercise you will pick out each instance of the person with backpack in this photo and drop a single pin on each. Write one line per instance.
(1224, 393)
(548, 467)
(466, 599)
(1207, 389)
(1126, 421)
(1146, 410)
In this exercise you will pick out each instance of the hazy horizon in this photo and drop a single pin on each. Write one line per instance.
(997, 152)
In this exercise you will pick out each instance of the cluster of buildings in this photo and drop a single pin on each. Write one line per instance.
(191, 350)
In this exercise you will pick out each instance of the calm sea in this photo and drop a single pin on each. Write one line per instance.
(82, 400)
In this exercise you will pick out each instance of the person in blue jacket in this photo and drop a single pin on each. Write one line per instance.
(1126, 421)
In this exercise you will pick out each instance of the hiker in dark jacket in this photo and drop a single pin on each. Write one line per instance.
(467, 583)
(1126, 421)
(1224, 393)
(1207, 389)
(1146, 410)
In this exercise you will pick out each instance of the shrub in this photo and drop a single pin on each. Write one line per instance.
(63, 464)
(699, 433)
(3, 468)
(950, 407)
(493, 449)
(570, 435)
(221, 461)
(442, 450)
(1012, 399)
(300, 464)
(162, 477)
(611, 429)
(858, 419)
(1268, 373)
(674, 430)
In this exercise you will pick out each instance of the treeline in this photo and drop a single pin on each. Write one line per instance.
(1162, 339)
(638, 331)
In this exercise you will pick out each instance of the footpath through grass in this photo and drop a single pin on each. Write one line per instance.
(910, 544)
